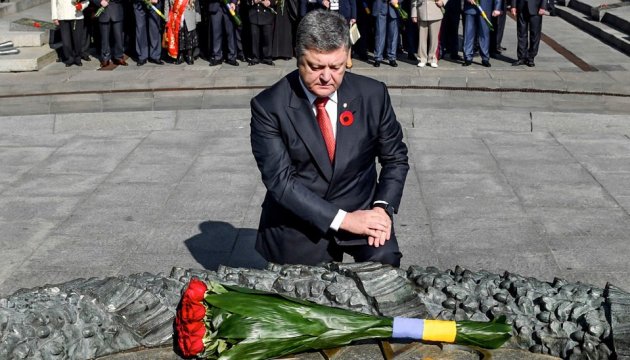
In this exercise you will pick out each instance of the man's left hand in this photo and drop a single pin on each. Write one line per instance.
(541, 11)
(496, 13)
(383, 236)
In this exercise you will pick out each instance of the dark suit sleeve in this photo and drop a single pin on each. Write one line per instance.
(278, 174)
(392, 156)
(353, 9)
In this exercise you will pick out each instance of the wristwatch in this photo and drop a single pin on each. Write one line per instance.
(385, 206)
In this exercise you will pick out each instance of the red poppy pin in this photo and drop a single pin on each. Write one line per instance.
(346, 118)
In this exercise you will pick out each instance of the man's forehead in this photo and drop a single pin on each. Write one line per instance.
(322, 57)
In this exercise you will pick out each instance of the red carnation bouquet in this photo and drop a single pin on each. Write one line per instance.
(224, 322)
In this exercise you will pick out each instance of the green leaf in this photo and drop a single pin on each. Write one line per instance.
(490, 335)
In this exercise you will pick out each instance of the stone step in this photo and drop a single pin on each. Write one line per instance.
(606, 33)
(618, 18)
(29, 59)
(23, 38)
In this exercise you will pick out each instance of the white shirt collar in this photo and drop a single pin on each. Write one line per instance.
(312, 97)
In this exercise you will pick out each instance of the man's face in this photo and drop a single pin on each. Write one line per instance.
(321, 72)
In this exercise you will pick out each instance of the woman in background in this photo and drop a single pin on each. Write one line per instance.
(180, 33)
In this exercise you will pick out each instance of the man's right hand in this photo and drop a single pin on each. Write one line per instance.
(513, 11)
(375, 224)
(104, 3)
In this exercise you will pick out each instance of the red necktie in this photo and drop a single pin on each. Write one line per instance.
(325, 126)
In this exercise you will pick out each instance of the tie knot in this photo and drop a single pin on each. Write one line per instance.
(321, 101)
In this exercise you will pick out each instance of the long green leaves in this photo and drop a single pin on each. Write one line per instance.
(490, 335)
(264, 325)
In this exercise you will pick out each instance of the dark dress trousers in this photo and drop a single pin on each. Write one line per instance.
(528, 27)
(72, 40)
(221, 26)
(304, 190)
(148, 31)
(111, 22)
(261, 22)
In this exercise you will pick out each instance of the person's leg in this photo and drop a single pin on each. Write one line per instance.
(65, 27)
(266, 37)
(422, 44)
(106, 53)
(392, 37)
(117, 29)
(433, 33)
(484, 39)
(469, 36)
(521, 34)
(535, 30)
(155, 35)
(78, 36)
(230, 36)
(255, 40)
(139, 11)
(379, 36)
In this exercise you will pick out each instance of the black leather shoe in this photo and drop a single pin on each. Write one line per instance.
(78, 63)
(141, 62)
(456, 57)
(485, 63)
(70, 64)
(377, 63)
(241, 58)
(393, 63)
(501, 48)
(518, 62)
(86, 58)
(412, 57)
(189, 60)
(213, 62)
(530, 63)
(268, 62)
(467, 63)
(252, 62)
(232, 62)
(156, 62)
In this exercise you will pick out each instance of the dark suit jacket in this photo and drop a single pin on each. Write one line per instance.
(113, 12)
(532, 5)
(304, 190)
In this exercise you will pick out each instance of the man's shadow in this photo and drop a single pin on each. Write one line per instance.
(220, 243)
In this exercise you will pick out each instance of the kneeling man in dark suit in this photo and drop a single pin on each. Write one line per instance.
(316, 135)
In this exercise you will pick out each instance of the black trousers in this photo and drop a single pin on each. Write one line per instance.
(528, 30)
(221, 27)
(72, 38)
(261, 40)
(116, 28)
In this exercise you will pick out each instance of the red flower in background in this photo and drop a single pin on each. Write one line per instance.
(196, 290)
(346, 118)
(37, 25)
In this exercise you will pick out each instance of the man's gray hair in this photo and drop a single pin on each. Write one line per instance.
(323, 31)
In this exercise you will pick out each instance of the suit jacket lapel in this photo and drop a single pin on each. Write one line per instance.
(305, 125)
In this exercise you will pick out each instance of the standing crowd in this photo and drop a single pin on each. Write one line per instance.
(259, 31)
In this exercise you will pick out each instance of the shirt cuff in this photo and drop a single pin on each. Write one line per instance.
(336, 223)
(380, 202)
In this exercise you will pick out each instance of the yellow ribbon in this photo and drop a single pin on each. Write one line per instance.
(439, 330)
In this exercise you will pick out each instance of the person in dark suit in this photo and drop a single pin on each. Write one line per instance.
(148, 32)
(529, 15)
(475, 27)
(496, 36)
(315, 135)
(111, 23)
(385, 31)
(261, 25)
(222, 27)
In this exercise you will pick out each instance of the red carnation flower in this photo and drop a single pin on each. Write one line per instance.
(191, 344)
(37, 25)
(78, 6)
(346, 118)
